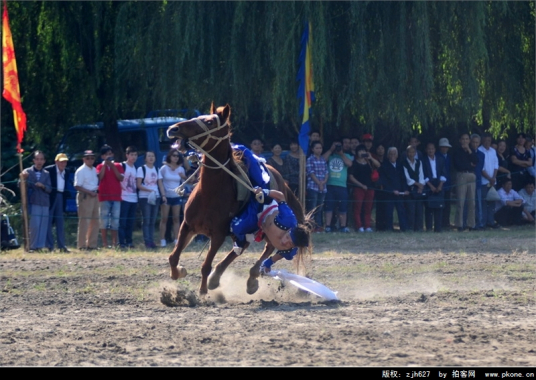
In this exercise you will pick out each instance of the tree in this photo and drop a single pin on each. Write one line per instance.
(392, 68)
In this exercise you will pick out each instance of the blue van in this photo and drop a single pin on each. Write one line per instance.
(145, 134)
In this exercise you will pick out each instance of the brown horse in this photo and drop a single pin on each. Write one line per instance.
(213, 202)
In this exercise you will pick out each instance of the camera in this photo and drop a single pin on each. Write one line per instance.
(338, 147)
(109, 158)
(363, 155)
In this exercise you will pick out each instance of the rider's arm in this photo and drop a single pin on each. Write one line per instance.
(278, 196)
(289, 254)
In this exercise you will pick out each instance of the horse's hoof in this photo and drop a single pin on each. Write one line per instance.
(252, 285)
(177, 272)
(182, 272)
(214, 280)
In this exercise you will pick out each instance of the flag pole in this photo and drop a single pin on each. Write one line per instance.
(11, 93)
(24, 204)
(303, 177)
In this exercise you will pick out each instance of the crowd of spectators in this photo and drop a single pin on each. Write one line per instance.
(107, 199)
(488, 185)
(354, 177)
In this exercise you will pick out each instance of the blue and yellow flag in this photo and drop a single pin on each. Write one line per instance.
(306, 90)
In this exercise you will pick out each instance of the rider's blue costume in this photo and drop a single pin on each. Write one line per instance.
(247, 221)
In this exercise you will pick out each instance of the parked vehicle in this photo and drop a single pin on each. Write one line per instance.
(9, 239)
(145, 134)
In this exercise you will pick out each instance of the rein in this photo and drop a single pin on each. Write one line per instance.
(208, 132)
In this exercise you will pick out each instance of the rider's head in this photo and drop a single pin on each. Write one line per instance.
(301, 236)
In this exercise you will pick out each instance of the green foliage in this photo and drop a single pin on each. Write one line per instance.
(393, 68)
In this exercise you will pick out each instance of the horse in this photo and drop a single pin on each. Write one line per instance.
(213, 203)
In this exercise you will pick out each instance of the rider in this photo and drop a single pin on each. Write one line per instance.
(272, 218)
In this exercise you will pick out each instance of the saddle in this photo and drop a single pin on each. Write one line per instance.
(243, 194)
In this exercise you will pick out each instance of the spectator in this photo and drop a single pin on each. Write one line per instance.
(379, 153)
(170, 177)
(110, 176)
(465, 161)
(520, 161)
(149, 198)
(444, 147)
(129, 199)
(379, 196)
(504, 162)
(86, 182)
(39, 188)
(435, 178)
(186, 164)
(475, 143)
(291, 166)
(314, 135)
(367, 140)
(393, 182)
(510, 206)
(183, 152)
(276, 161)
(529, 199)
(414, 142)
(489, 179)
(317, 178)
(354, 143)
(529, 145)
(257, 146)
(363, 188)
(337, 194)
(58, 179)
(415, 181)
(347, 146)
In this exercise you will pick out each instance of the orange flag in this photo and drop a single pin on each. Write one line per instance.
(11, 79)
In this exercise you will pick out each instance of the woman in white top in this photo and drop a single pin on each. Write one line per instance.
(170, 177)
(147, 183)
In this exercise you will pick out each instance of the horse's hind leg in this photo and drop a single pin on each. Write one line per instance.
(254, 272)
(206, 267)
(185, 236)
(214, 278)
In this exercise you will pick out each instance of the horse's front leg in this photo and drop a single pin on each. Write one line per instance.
(254, 272)
(215, 276)
(206, 267)
(185, 236)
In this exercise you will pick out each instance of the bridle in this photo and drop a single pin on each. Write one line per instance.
(208, 132)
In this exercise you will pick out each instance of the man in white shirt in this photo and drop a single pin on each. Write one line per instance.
(510, 205)
(86, 182)
(58, 177)
(489, 178)
(129, 199)
(529, 196)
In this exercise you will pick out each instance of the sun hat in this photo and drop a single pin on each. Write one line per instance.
(444, 142)
(61, 157)
(367, 137)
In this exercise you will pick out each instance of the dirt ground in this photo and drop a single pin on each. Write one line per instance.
(458, 301)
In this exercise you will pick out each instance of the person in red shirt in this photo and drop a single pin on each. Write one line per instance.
(110, 176)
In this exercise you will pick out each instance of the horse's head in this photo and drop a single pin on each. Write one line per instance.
(205, 131)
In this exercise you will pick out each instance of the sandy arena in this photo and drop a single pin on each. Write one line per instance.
(473, 304)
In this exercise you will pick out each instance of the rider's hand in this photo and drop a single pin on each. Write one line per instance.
(266, 266)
